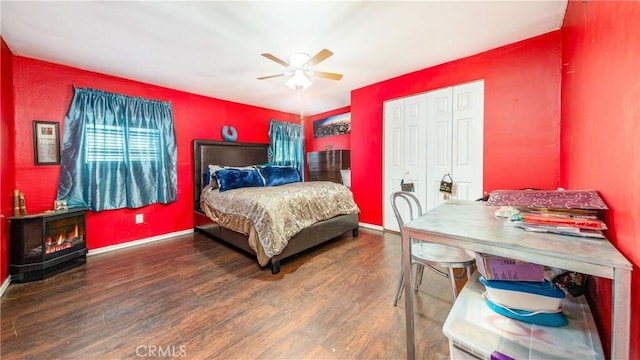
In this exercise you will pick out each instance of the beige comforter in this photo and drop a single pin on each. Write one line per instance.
(270, 216)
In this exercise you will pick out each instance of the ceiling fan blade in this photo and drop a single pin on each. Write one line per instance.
(327, 75)
(273, 58)
(270, 76)
(323, 54)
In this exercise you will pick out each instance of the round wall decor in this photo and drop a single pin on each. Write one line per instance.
(229, 133)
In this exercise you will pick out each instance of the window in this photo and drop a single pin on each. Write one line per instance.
(117, 152)
(105, 143)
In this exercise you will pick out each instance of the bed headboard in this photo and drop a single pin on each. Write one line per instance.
(223, 153)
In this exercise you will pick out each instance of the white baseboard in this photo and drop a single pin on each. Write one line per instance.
(167, 236)
(372, 227)
(5, 285)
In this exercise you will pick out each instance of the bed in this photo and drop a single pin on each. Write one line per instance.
(209, 152)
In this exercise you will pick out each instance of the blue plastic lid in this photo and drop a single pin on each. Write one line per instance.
(556, 319)
(545, 288)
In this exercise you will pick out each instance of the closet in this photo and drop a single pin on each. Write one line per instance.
(429, 135)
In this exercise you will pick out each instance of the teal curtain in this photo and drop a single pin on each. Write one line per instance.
(286, 145)
(117, 152)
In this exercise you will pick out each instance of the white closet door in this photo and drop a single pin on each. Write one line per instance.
(393, 156)
(455, 143)
(404, 150)
(468, 140)
(429, 135)
(415, 144)
(439, 136)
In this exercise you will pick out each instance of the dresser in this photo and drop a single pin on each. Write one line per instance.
(326, 165)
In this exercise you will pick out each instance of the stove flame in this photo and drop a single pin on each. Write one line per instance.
(62, 241)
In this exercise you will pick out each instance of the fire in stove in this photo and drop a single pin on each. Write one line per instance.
(63, 241)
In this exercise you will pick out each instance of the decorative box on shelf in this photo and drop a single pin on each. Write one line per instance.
(500, 268)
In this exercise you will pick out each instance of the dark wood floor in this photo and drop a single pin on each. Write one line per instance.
(194, 298)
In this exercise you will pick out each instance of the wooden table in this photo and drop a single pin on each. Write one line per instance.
(472, 225)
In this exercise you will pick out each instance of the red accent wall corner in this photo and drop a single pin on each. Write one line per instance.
(521, 119)
(7, 150)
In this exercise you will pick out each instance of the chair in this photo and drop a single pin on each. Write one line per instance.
(429, 254)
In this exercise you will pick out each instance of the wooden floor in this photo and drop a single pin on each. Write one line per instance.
(194, 298)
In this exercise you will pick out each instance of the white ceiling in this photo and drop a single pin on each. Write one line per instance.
(213, 48)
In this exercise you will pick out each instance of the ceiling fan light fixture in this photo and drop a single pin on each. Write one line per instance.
(298, 60)
(299, 80)
(300, 69)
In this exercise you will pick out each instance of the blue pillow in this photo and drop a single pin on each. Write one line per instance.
(209, 177)
(279, 175)
(229, 179)
(206, 178)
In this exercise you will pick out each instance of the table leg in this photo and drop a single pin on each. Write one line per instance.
(408, 294)
(621, 314)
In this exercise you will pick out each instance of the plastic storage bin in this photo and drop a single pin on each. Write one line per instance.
(475, 331)
(500, 268)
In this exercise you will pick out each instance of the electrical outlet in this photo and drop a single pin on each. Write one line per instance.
(139, 218)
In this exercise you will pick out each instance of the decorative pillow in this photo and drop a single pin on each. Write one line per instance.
(279, 175)
(206, 177)
(210, 176)
(233, 178)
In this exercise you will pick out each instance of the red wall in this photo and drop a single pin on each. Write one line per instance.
(338, 142)
(521, 119)
(43, 92)
(600, 144)
(596, 55)
(6, 154)
(518, 105)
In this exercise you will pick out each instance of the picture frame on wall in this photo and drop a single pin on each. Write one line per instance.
(333, 125)
(46, 142)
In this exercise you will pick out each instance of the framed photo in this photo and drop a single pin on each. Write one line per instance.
(333, 125)
(60, 205)
(46, 142)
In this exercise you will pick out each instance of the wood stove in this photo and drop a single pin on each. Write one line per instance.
(47, 243)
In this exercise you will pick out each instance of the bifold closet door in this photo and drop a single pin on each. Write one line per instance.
(404, 150)
(455, 141)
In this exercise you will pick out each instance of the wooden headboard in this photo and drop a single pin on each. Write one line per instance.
(206, 152)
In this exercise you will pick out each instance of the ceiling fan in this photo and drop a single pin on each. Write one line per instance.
(300, 69)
